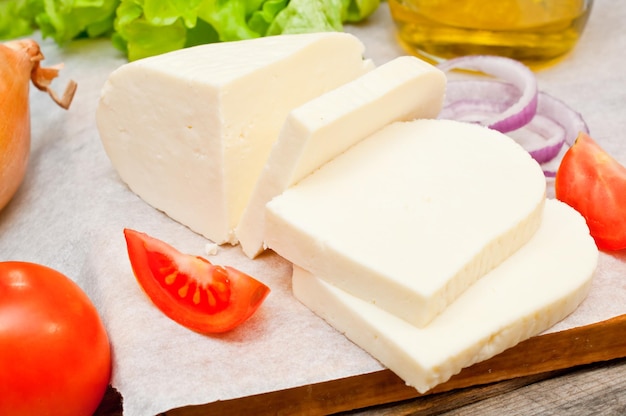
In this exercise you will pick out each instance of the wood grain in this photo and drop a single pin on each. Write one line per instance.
(439, 403)
(597, 389)
(591, 389)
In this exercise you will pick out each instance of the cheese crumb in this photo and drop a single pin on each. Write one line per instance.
(210, 249)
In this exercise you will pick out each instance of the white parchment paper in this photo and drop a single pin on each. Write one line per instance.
(70, 212)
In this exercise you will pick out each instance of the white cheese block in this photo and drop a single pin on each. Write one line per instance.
(535, 288)
(411, 216)
(189, 131)
(317, 131)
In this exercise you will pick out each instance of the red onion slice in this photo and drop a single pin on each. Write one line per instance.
(571, 121)
(477, 101)
(520, 112)
(553, 127)
(564, 115)
(542, 138)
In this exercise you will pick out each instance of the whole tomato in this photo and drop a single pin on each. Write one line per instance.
(55, 356)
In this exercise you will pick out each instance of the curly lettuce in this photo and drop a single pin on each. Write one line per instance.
(142, 28)
(17, 17)
(61, 20)
(150, 27)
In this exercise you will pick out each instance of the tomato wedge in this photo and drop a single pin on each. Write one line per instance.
(594, 183)
(189, 289)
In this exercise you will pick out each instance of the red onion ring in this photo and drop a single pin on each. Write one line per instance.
(477, 101)
(571, 121)
(513, 72)
(542, 137)
(543, 131)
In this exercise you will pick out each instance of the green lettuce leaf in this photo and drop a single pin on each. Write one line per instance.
(67, 20)
(140, 35)
(62, 20)
(303, 16)
(230, 17)
(151, 27)
(261, 19)
(142, 28)
(17, 17)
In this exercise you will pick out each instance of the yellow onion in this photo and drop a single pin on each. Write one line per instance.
(19, 65)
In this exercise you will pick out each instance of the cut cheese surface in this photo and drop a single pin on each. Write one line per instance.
(411, 216)
(402, 89)
(189, 131)
(535, 288)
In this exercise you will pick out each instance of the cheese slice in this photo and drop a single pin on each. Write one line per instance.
(189, 131)
(411, 216)
(531, 291)
(317, 131)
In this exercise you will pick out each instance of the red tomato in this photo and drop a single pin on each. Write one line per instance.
(189, 289)
(593, 183)
(55, 357)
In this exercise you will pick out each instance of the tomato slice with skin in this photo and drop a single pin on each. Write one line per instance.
(594, 183)
(189, 289)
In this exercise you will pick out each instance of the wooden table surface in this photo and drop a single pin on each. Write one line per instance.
(596, 389)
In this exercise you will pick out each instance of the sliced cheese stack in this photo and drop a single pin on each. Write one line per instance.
(535, 288)
(315, 132)
(189, 131)
(411, 216)
(430, 244)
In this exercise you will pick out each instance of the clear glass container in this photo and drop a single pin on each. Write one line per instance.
(536, 32)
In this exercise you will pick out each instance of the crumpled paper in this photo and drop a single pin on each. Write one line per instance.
(70, 212)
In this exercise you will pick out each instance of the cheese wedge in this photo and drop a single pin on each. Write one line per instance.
(189, 131)
(317, 131)
(411, 216)
(531, 291)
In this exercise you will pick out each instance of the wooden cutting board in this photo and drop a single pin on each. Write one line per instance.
(530, 360)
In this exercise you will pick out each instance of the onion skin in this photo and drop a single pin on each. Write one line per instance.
(15, 120)
(19, 65)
